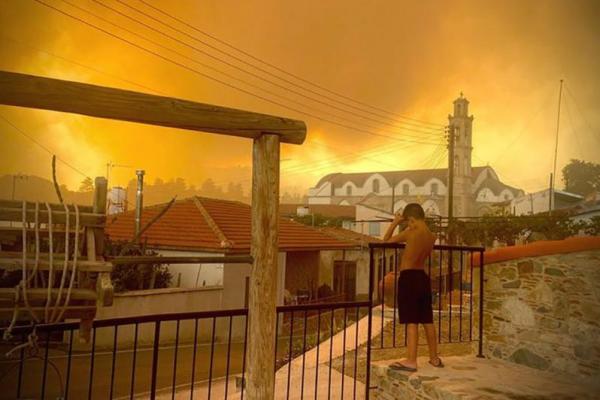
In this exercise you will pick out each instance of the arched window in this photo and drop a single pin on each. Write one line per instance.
(376, 186)
(348, 190)
(434, 188)
(405, 189)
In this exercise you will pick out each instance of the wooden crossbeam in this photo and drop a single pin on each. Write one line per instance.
(58, 217)
(44, 264)
(97, 101)
(53, 206)
(39, 294)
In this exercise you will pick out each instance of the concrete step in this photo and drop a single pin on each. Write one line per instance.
(470, 378)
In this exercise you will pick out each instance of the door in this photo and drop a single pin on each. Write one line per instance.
(344, 279)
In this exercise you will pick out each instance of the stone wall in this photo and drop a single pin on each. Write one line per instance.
(544, 312)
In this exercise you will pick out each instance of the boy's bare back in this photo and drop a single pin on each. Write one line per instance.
(419, 244)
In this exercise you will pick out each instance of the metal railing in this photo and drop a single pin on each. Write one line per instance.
(201, 353)
(453, 283)
(204, 353)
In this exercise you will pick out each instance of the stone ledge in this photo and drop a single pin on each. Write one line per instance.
(470, 377)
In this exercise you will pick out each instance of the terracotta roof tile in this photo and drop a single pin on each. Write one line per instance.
(184, 227)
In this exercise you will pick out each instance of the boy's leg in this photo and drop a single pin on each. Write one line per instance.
(412, 342)
(431, 340)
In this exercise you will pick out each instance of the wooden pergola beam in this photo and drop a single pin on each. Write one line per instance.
(81, 98)
(262, 301)
(267, 133)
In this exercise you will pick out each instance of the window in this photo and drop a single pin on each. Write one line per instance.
(348, 190)
(374, 229)
(376, 186)
(434, 188)
(405, 188)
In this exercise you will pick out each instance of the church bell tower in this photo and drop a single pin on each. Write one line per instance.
(461, 123)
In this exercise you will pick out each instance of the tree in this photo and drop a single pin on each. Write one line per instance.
(210, 189)
(87, 185)
(235, 191)
(581, 177)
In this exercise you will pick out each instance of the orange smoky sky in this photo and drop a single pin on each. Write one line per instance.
(411, 58)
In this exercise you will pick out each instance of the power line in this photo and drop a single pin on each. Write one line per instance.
(79, 64)
(316, 100)
(193, 70)
(575, 133)
(22, 132)
(329, 163)
(242, 61)
(520, 133)
(270, 64)
(325, 162)
(587, 122)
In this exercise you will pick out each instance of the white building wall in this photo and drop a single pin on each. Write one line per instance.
(368, 214)
(194, 275)
(531, 203)
(324, 194)
(234, 283)
(320, 195)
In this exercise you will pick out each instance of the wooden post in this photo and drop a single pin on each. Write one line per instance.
(104, 285)
(263, 277)
(99, 207)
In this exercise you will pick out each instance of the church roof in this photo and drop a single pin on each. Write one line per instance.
(497, 187)
(418, 176)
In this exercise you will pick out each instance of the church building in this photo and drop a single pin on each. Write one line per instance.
(477, 190)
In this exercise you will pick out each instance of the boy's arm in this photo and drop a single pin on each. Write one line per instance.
(392, 227)
(399, 238)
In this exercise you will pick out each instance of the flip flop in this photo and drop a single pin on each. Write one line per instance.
(438, 363)
(401, 367)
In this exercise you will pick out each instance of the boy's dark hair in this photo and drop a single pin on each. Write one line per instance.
(413, 210)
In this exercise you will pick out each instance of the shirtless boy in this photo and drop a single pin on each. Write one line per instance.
(414, 286)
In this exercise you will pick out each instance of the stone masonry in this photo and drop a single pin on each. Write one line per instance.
(544, 312)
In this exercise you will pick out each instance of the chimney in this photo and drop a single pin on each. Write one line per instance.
(139, 200)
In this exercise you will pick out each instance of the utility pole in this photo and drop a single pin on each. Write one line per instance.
(393, 196)
(450, 181)
(550, 194)
(139, 200)
(553, 176)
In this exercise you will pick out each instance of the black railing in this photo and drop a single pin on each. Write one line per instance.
(201, 353)
(451, 270)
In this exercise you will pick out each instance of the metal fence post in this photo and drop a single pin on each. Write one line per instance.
(481, 283)
(155, 359)
(370, 319)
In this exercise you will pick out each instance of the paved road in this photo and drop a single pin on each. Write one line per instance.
(80, 371)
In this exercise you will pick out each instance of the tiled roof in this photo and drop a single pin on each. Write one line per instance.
(346, 234)
(184, 227)
(497, 187)
(418, 176)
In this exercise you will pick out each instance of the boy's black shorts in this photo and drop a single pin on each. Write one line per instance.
(414, 297)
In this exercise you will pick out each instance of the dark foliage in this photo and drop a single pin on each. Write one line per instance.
(136, 276)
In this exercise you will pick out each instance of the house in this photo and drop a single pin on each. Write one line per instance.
(200, 226)
(539, 202)
(346, 271)
(476, 189)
